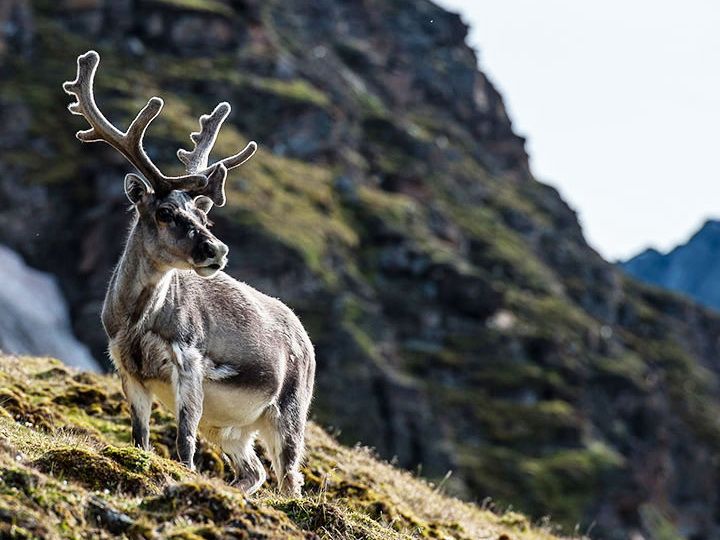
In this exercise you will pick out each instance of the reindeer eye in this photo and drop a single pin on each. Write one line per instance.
(164, 215)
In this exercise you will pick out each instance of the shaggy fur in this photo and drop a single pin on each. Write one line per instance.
(232, 362)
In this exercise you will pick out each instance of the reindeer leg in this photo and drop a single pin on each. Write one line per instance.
(187, 383)
(283, 433)
(249, 471)
(140, 400)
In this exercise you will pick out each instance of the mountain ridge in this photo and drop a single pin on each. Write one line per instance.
(690, 268)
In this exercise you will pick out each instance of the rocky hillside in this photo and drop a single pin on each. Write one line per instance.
(461, 321)
(692, 269)
(66, 471)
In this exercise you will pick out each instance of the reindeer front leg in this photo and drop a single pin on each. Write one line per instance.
(140, 400)
(187, 382)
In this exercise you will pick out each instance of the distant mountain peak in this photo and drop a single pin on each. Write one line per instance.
(711, 227)
(648, 253)
(692, 268)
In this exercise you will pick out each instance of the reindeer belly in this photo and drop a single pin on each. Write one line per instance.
(223, 405)
(226, 405)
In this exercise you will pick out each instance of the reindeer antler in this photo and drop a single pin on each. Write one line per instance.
(129, 143)
(196, 161)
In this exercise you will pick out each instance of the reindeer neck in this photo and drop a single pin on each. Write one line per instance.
(136, 277)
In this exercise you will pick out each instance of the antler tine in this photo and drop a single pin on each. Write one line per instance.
(196, 161)
(235, 160)
(129, 143)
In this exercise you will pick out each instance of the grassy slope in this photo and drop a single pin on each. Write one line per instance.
(66, 470)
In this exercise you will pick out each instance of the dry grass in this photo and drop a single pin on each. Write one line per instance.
(63, 464)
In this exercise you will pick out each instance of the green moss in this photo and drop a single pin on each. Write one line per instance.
(370, 104)
(383, 214)
(137, 461)
(691, 387)
(207, 6)
(501, 375)
(20, 407)
(515, 520)
(197, 501)
(560, 483)
(628, 368)
(658, 524)
(550, 316)
(509, 423)
(294, 203)
(89, 469)
(18, 478)
(114, 429)
(394, 210)
(295, 90)
(85, 395)
(500, 251)
(128, 470)
(567, 479)
(17, 522)
(54, 373)
(332, 521)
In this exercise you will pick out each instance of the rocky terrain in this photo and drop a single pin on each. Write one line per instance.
(460, 319)
(692, 269)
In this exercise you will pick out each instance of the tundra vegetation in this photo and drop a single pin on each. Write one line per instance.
(67, 470)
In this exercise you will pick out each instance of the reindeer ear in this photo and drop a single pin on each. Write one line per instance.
(216, 185)
(136, 188)
(203, 203)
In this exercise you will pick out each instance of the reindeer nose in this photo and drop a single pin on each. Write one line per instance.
(208, 249)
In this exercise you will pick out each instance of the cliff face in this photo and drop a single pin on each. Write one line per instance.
(460, 319)
(692, 269)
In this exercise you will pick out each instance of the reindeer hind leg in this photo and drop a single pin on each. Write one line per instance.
(284, 437)
(249, 471)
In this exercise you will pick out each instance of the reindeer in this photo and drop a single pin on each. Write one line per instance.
(231, 362)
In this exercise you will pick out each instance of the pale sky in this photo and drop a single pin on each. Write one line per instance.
(620, 102)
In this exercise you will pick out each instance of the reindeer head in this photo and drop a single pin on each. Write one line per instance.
(172, 210)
